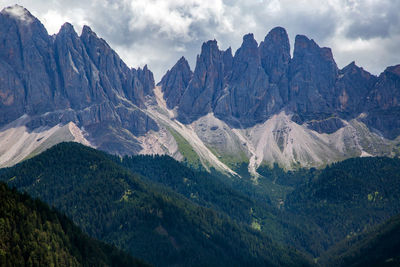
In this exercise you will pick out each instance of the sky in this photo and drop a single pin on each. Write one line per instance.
(159, 32)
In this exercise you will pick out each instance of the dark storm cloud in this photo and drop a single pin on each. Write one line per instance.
(159, 32)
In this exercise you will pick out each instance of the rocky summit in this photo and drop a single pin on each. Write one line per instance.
(69, 78)
(257, 106)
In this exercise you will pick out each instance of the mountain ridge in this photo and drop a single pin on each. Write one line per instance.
(218, 110)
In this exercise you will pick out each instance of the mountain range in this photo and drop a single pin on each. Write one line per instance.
(258, 106)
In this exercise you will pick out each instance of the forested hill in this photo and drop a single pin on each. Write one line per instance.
(31, 234)
(378, 247)
(150, 221)
(167, 214)
(348, 197)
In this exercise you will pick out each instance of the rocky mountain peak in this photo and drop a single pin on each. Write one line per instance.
(394, 69)
(183, 62)
(228, 61)
(249, 41)
(67, 78)
(249, 98)
(67, 28)
(146, 78)
(303, 43)
(209, 52)
(383, 103)
(175, 81)
(313, 74)
(352, 87)
(277, 35)
(248, 53)
(19, 13)
(308, 48)
(275, 55)
(87, 31)
(205, 86)
(26, 53)
(16, 19)
(249, 49)
(228, 52)
(352, 69)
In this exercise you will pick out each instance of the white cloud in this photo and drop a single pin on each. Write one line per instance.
(19, 13)
(54, 19)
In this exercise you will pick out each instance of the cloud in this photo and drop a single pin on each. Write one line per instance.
(159, 32)
(19, 13)
(371, 19)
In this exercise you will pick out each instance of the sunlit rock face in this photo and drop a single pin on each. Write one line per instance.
(262, 80)
(175, 82)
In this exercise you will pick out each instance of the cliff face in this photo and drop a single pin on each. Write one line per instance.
(26, 66)
(383, 103)
(258, 105)
(206, 85)
(66, 77)
(262, 80)
(248, 98)
(175, 81)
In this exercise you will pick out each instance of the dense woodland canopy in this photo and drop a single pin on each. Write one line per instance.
(32, 234)
(148, 220)
(169, 214)
(317, 208)
(348, 197)
(377, 247)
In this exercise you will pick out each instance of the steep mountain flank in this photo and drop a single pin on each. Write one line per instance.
(227, 112)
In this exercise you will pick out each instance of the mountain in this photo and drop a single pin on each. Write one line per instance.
(32, 234)
(66, 78)
(145, 219)
(378, 247)
(383, 103)
(257, 106)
